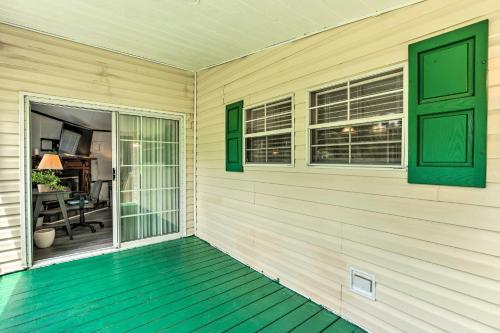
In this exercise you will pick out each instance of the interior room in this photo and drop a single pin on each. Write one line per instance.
(71, 180)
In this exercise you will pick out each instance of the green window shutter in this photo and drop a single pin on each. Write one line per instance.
(448, 109)
(234, 137)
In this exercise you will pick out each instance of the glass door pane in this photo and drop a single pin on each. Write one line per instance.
(149, 177)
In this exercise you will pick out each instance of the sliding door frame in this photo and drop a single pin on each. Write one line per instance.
(182, 178)
(26, 223)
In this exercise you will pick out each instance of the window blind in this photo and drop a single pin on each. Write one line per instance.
(358, 121)
(268, 133)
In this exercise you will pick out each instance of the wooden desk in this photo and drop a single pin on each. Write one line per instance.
(45, 196)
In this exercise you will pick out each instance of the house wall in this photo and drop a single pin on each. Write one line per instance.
(102, 166)
(41, 64)
(102, 150)
(43, 127)
(435, 250)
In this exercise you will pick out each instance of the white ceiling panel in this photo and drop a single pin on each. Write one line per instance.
(96, 120)
(190, 34)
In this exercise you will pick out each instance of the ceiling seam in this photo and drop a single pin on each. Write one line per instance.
(406, 4)
(288, 41)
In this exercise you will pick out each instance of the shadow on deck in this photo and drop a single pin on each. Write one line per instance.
(183, 285)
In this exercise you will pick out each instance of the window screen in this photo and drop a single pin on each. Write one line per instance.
(358, 122)
(268, 133)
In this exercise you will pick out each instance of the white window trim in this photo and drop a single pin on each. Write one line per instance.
(266, 133)
(404, 122)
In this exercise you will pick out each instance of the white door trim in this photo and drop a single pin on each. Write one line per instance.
(25, 100)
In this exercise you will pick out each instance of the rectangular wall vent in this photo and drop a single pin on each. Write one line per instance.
(362, 283)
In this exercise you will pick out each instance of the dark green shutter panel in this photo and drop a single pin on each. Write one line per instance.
(234, 133)
(447, 108)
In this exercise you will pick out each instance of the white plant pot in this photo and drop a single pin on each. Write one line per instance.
(44, 237)
(43, 188)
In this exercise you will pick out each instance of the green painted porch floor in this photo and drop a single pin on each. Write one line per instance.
(183, 285)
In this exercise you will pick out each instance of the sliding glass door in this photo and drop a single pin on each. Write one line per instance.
(149, 177)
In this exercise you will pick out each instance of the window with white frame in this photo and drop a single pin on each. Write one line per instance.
(268, 133)
(358, 122)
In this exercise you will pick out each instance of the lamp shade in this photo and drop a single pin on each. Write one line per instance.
(50, 162)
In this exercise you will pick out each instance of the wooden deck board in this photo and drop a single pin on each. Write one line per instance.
(342, 326)
(98, 289)
(293, 319)
(268, 316)
(184, 285)
(317, 323)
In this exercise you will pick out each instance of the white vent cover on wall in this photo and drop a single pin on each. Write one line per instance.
(362, 283)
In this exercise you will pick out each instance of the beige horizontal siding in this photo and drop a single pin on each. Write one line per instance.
(42, 64)
(435, 250)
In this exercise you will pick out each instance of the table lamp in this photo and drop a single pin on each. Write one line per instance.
(50, 162)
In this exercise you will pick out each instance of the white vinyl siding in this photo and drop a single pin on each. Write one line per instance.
(358, 122)
(56, 67)
(433, 250)
(268, 133)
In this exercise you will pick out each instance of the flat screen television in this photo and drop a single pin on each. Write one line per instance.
(75, 140)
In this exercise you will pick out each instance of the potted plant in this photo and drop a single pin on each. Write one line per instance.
(46, 181)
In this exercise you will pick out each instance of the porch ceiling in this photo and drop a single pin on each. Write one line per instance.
(178, 286)
(190, 34)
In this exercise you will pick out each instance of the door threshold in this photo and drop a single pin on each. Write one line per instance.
(150, 241)
(71, 257)
(111, 249)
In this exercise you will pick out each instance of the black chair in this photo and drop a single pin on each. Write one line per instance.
(87, 201)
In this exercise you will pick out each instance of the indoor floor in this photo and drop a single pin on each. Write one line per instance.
(83, 239)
